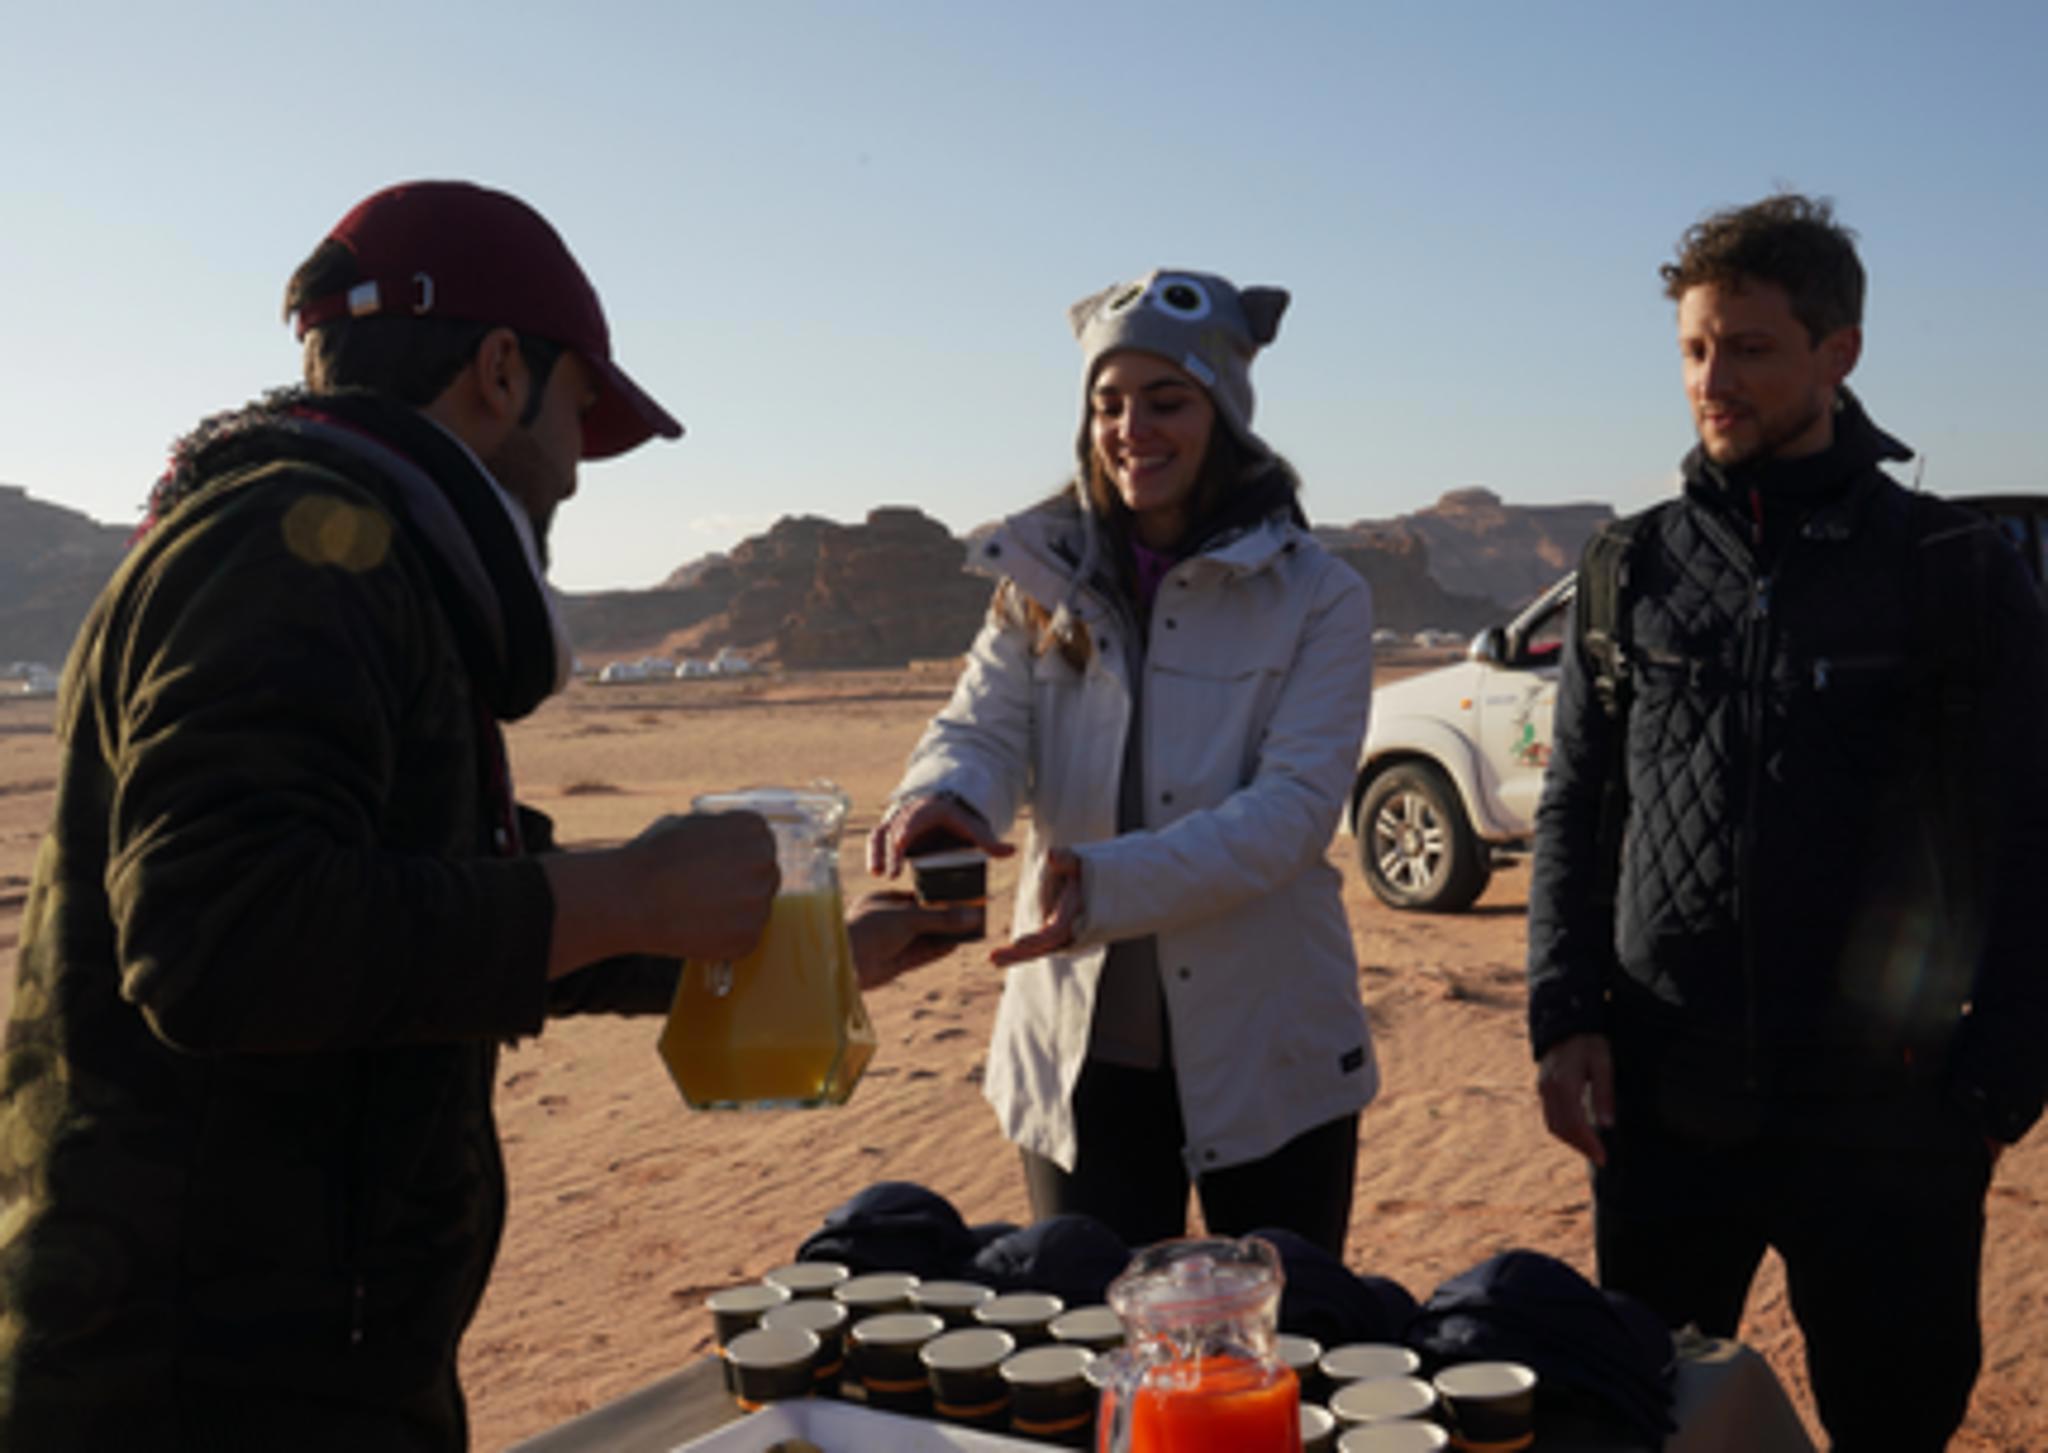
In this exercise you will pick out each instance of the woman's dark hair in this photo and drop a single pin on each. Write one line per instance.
(1232, 487)
(1787, 239)
(408, 359)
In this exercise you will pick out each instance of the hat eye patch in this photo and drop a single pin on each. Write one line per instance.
(1181, 297)
(1122, 298)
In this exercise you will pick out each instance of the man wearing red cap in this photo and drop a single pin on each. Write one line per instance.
(250, 1188)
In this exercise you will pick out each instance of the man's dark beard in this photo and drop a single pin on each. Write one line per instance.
(1768, 445)
(513, 464)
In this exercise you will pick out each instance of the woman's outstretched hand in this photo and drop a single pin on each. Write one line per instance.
(1060, 904)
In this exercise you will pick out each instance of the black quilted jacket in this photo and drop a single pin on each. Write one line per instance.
(1836, 837)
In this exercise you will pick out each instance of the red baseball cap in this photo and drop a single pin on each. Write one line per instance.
(457, 250)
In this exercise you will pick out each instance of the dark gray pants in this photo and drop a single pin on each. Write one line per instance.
(1882, 1251)
(1129, 1173)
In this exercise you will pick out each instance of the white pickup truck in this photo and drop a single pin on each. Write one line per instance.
(1454, 758)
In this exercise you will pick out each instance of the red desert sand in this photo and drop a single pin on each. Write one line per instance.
(628, 1209)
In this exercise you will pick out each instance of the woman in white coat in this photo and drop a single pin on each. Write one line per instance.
(1174, 679)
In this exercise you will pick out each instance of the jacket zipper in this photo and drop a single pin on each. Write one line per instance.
(1755, 673)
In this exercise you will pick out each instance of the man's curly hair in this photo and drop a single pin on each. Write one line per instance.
(1787, 239)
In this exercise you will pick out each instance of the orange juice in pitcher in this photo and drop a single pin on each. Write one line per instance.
(783, 1027)
(1200, 1371)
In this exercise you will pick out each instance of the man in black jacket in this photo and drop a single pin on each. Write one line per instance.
(1784, 991)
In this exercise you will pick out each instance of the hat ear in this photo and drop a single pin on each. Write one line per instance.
(1079, 314)
(1262, 309)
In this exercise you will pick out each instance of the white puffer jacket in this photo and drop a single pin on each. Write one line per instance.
(1258, 682)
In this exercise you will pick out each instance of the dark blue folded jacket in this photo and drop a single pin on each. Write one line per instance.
(1073, 1256)
(894, 1226)
(1324, 1299)
(1604, 1351)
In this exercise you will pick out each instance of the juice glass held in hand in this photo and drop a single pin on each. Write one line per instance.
(783, 1027)
(1200, 1371)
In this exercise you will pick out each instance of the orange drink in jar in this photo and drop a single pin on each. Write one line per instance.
(784, 1026)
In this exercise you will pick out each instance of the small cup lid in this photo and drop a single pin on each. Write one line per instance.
(970, 1347)
(1406, 1436)
(1381, 1399)
(1020, 1307)
(948, 858)
(1357, 1361)
(753, 1298)
(1299, 1353)
(1088, 1324)
(766, 1347)
(951, 1294)
(1485, 1380)
(876, 1286)
(896, 1329)
(1316, 1422)
(808, 1276)
(1056, 1362)
(812, 1315)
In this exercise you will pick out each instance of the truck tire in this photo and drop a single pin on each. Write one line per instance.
(1415, 843)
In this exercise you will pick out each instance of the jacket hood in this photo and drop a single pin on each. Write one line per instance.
(1052, 553)
(486, 574)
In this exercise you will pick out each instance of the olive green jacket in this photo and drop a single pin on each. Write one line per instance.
(251, 1182)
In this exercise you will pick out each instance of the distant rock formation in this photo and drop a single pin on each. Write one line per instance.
(884, 593)
(1479, 547)
(1405, 596)
(53, 561)
(810, 592)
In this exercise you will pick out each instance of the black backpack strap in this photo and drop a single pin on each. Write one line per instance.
(1602, 607)
(1603, 627)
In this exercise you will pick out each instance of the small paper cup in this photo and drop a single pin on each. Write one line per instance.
(1383, 1400)
(1357, 1361)
(771, 1365)
(954, 877)
(1489, 1404)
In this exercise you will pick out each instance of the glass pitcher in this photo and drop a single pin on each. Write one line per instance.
(1200, 1370)
(784, 1027)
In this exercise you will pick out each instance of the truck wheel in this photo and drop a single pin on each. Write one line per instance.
(1415, 844)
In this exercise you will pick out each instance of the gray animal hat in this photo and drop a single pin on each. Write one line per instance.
(1194, 320)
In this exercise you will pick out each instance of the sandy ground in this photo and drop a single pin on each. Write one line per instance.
(627, 1208)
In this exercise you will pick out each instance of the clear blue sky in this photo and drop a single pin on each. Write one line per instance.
(838, 240)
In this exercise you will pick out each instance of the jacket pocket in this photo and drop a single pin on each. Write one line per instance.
(1205, 724)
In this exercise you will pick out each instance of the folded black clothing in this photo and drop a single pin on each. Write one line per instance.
(1073, 1256)
(1324, 1299)
(903, 1226)
(1523, 1306)
(894, 1226)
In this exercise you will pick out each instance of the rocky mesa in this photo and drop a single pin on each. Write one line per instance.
(814, 593)
(52, 563)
